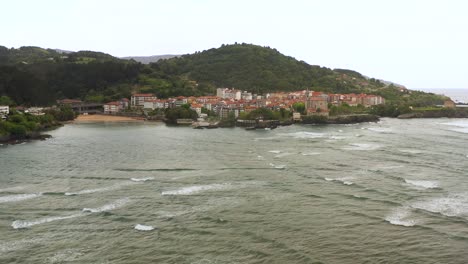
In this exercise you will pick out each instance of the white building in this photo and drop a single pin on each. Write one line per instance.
(227, 93)
(138, 100)
(155, 104)
(246, 96)
(4, 109)
(111, 108)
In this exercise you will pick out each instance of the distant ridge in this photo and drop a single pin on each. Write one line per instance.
(150, 59)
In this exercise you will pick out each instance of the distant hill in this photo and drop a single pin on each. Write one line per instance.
(149, 59)
(262, 69)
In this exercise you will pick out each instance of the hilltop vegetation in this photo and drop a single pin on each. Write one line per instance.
(36, 76)
(260, 70)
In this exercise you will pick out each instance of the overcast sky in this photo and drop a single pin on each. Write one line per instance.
(420, 44)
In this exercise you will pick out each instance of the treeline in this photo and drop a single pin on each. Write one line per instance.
(20, 125)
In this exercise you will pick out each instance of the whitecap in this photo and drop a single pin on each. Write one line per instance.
(380, 130)
(142, 179)
(140, 227)
(423, 184)
(280, 167)
(400, 216)
(337, 137)
(18, 197)
(107, 207)
(18, 244)
(19, 224)
(275, 151)
(452, 205)
(196, 189)
(103, 189)
(303, 135)
(362, 146)
(457, 124)
(310, 153)
(344, 180)
(284, 155)
(411, 151)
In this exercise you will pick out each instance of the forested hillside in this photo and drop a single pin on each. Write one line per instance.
(37, 76)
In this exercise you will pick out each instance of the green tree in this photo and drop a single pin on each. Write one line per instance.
(5, 100)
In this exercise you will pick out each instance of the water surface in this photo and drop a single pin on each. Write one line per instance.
(388, 192)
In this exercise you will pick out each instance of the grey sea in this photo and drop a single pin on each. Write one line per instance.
(389, 192)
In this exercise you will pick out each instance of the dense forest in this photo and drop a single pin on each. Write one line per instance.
(37, 76)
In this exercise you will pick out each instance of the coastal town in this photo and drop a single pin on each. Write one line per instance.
(226, 102)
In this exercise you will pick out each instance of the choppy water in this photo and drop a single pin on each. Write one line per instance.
(392, 192)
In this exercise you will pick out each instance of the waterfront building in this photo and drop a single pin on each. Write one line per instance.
(137, 100)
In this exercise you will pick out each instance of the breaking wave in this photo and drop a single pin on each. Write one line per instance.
(107, 207)
(275, 151)
(362, 146)
(303, 135)
(400, 216)
(142, 179)
(143, 227)
(423, 184)
(344, 180)
(18, 224)
(452, 205)
(196, 189)
(19, 197)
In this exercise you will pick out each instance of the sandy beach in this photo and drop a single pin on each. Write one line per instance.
(104, 118)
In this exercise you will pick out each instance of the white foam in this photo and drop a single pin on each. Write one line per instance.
(196, 189)
(337, 137)
(310, 153)
(344, 180)
(423, 184)
(380, 129)
(103, 189)
(19, 197)
(303, 135)
(142, 179)
(400, 216)
(284, 155)
(280, 167)
(462, 126)
(362, 146)
(411, 151)
(457, 124)
(143, 227)
(107, 207)
(275, 151)
(452, 205)
(18, 244)
(18, 224)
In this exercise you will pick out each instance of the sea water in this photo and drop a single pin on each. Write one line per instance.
(389, 192)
